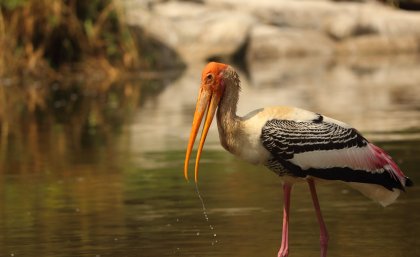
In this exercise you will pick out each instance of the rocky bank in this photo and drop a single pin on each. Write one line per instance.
(264, 30)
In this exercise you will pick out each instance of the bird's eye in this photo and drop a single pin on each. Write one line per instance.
(209, 77)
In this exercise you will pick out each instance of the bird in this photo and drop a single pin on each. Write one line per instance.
(296, 144)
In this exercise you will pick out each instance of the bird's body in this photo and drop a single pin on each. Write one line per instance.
(296, 144)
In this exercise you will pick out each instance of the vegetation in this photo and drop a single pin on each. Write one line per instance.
(60, 62)
(46, 36)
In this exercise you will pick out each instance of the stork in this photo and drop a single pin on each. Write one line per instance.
(296, 144)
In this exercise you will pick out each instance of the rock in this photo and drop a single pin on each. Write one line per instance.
(377, 44)
(196, 31)
(368, 19)
(204, 29)
(271, 42)
(304, 14)
(346, 26)
(287, 72)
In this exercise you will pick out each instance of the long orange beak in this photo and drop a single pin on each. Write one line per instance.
(207, 100)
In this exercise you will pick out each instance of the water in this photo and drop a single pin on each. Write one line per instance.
(99, 172)
(206, 216)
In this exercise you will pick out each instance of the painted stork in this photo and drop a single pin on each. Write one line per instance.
(296, 144)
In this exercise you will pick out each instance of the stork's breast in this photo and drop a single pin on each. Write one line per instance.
(250, 146)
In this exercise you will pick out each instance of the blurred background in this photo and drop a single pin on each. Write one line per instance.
(96, 104)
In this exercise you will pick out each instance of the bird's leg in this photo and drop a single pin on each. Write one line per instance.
(323, 228)
(284, 248)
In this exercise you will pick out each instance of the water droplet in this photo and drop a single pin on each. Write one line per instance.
(205, 213)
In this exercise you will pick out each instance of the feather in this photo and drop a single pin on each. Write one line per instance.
(329, 149)
(377, 193)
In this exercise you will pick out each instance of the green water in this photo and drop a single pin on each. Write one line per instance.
(100, 173)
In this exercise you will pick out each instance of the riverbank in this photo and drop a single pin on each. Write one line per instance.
(252, 31)
(104, 40)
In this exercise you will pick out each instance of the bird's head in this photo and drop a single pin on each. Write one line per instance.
(213, 83)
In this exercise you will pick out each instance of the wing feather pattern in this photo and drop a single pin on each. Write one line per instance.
(287, 137)
(331, 150)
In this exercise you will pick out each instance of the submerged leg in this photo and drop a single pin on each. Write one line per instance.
(323, 229)
(284, 248)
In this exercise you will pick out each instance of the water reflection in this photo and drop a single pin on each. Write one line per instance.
(97, 170)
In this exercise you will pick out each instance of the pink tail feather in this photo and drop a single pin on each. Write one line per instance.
(385, 161)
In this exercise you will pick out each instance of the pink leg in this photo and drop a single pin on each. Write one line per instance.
(284, 248)
(323, 229)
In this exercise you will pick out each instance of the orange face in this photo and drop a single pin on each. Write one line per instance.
(211, 90)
